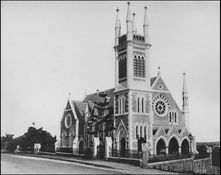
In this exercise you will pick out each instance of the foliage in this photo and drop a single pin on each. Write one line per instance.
(38, 136)
(5, 139)
(26, 142)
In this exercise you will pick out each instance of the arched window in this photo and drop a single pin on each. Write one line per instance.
(139, 66)
(145, 131)
(136, 131)
(170, 117)
(123, 105)
(141, 129)
(142, 105)
(138, 104)
(175, 117)
(135, 65)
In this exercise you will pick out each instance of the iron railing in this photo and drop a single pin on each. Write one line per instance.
(126, 154)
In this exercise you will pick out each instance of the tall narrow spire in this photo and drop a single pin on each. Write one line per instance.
(129, 22)
(117, 28)
(185, 106)
(134, 30)
(146, 26)
(129, 14)
(184, 84)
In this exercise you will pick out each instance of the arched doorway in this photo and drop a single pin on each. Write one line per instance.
(185, 147)
(81, 147)
(161, 147)
(122, 147)
(173, 146)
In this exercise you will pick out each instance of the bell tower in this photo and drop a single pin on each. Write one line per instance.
(132, 62)
(132, 96)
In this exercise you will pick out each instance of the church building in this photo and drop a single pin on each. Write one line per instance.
(138, 109)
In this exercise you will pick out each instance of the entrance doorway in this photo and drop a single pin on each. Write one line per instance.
(173, 146)
(81, 147)
(185, 147)
(161, 147)
(123, 147)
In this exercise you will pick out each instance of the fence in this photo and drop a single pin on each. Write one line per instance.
(126, 154)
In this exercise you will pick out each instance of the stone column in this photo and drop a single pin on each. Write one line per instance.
(167, 150)
(179, 150)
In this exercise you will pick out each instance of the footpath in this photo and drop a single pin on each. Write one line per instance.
(126, 168)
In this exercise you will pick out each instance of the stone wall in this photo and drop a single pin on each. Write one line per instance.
(200, 166)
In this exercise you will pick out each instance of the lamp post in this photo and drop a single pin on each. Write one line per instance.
(191, 138)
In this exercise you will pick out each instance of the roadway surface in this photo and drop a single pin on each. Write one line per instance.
(20, 164)
(16, 164)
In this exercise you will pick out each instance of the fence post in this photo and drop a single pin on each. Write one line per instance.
(95, 144)
(108, 147)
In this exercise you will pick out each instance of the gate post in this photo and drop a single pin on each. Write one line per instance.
(37, 147)
(96, 143)
(108, 147)
(145, 157)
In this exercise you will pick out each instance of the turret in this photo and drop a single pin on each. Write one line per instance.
(146, 26)
(134, 30)
(129, 22)
(185, 106)
(117, 29)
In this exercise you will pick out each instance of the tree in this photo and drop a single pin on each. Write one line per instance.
(38, 136)
(5, 139)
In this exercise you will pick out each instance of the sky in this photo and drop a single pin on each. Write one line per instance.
(50, 49)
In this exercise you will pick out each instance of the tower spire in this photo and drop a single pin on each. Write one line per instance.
(117, 27)
(184, 84)
(185, 106)
(134, 24)
(146, 26)
(129, 22)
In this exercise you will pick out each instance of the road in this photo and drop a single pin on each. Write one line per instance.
(16, 164)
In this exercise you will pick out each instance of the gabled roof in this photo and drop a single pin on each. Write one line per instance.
(152, 80)
(79, 107)
(96, 98)
(90, 99)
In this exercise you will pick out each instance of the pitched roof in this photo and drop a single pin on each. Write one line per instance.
(152, 80)
(96, 98)
(90, 99)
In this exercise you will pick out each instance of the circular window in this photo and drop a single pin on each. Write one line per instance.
(68, 121)
(160, 87)
(160, 105)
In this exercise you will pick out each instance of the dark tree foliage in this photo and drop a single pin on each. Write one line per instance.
(38, 136)
(5, 139)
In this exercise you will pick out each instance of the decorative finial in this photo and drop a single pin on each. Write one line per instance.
(184, 73)
(134, 14)
(117, 10)
(69, 95)
(128, 3)
(145, 7)
(158, 70)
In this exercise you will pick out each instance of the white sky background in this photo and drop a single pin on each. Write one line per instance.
(49, 49)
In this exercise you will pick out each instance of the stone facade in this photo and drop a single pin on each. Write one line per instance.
(142, 107)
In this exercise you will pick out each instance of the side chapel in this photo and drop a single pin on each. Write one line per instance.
(139, 107)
